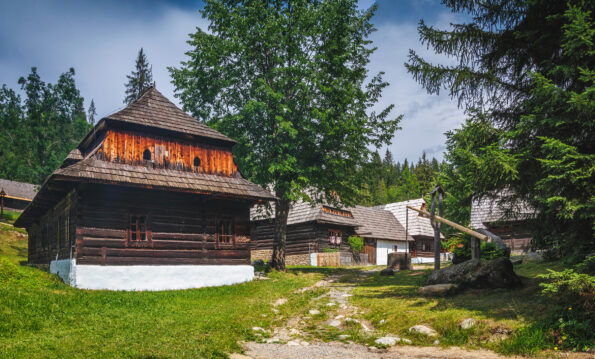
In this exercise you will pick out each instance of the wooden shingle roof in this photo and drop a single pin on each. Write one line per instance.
(498, 208)
(153, 109)
(98, 171)
(379, 224)
(418, 225)
(302, 212)
(19, 190)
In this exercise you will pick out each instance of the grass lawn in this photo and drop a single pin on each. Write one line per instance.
(42, 317)
(393, 306)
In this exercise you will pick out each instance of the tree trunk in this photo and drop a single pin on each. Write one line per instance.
(281, 213)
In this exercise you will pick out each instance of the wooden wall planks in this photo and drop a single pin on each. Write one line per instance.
(128, 147)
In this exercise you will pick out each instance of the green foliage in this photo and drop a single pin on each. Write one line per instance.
(139, 80)
(385, 181)
(488, 251)
(330, 250)
(528, 340)
(528, 65)
(289, 81)
(573, 315)
(39, 131)
(356, 244)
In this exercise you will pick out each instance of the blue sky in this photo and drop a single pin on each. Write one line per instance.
(101, 39)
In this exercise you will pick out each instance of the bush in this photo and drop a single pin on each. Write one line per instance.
(356, 244)
(573, 316)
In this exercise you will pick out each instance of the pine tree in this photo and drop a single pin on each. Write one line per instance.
(140, 80)
(91, 113)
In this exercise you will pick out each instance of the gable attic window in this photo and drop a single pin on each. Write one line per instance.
(147, 155)
(196, 162)
(137, 230)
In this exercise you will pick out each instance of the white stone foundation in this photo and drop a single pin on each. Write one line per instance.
(150, 277)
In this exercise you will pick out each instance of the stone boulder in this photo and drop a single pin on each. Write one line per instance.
(438, 290)
(497, 273)
(422, 329)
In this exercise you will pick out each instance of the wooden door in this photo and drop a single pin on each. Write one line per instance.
(370, 250)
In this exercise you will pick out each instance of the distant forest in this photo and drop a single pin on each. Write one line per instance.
(39, 129)
(386, 181)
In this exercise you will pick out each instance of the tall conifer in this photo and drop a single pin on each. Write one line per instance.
(139, 80)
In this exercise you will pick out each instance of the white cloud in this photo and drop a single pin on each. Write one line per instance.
(100, 45)
(101, 41)
(426, 117)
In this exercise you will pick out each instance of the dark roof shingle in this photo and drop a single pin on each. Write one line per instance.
(93, 170)
(153, 109)
(378, 223)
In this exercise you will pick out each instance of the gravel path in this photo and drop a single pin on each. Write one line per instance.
(353, 351)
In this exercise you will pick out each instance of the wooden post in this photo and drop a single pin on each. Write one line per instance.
(2, 195)
(475, 248)
(453, 224)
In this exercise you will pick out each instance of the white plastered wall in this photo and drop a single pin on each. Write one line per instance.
(383, 248)
(150, 277)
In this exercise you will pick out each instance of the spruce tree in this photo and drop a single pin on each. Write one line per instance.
(139, 80)
(525, 72)
(91, 113)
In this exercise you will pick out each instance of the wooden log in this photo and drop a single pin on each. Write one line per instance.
(453, 224)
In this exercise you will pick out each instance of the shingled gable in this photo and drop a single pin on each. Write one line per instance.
(153, 109)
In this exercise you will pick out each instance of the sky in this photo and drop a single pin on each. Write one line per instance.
(101, 39)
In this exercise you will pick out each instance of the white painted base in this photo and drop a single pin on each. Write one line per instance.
(150, 277)
(443, 258)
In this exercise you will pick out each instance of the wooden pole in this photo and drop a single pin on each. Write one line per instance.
(470, 232)
(2, 195)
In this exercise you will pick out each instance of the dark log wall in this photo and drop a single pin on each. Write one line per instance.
(515, 235)
(180, 227)
(302, 238)
(54, 234)
(128, 147)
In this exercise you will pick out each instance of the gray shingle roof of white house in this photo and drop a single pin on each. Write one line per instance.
(490, 209)
(418, 225)
(378, 223)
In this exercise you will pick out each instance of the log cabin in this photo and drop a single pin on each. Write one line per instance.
(320, 227)
(509, 221)
(151, 199)
(382, 233)
(418, 227)
(311, 228)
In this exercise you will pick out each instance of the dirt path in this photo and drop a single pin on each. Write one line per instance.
(334, 318)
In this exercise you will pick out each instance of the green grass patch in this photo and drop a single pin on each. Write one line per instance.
(42, 317)
(506, 320)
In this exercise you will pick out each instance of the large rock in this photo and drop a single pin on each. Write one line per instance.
(438, 290)
(497, 273)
